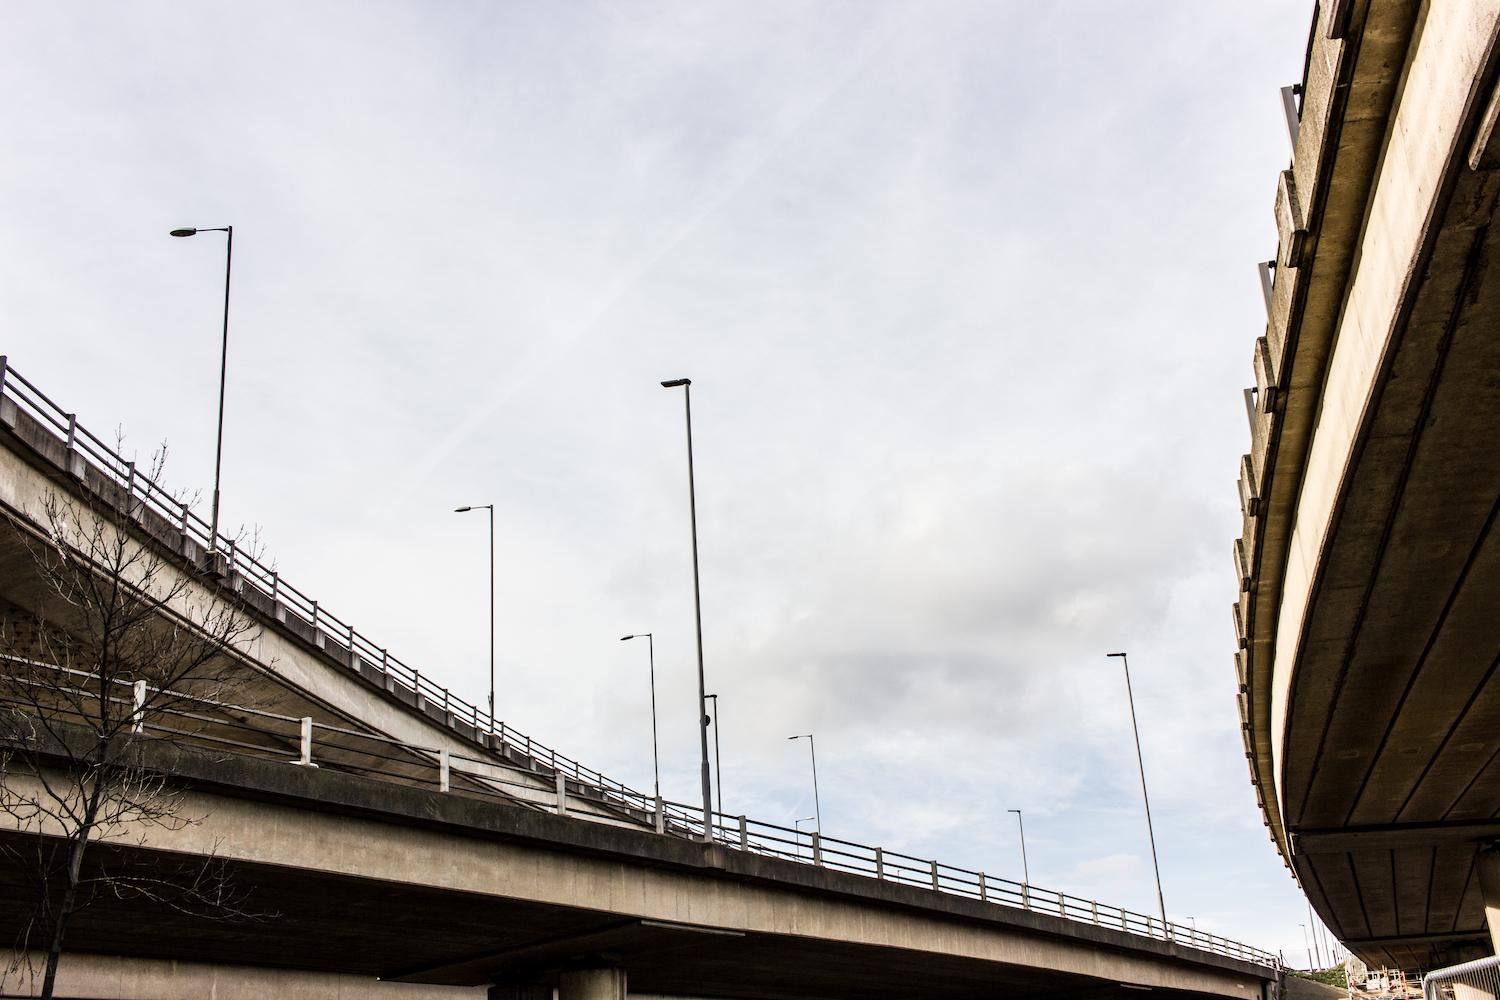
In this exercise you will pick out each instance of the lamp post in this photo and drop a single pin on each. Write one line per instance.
(1317, 951)
(1141, 761)
(798, 825)
(1025, 871)
(687, 404)
(812, 747)
(491, 508)
(718, 771)
(655, 756)
(213, 531)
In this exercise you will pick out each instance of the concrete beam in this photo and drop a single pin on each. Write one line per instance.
(1392, 837)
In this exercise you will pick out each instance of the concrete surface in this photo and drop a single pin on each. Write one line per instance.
(1368, 635)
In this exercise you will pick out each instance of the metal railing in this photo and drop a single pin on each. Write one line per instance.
(1470, 981)
(517, 753)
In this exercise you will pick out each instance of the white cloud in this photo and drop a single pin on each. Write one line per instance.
(1112, 876)
(965, 289)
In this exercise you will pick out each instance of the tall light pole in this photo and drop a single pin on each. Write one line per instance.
(655, 755)
(213, 531)
(1125, 660)
(687, 404)
(491, 508)
(718, 771)
(1025, 871)
(812, 747)
(1317, 951)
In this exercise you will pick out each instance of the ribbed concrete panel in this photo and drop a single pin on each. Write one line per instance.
(1373, 682)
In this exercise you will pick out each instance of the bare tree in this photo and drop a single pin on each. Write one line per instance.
(120, 643)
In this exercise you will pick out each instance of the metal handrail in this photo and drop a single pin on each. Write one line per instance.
(1483, 976)
(677, 819)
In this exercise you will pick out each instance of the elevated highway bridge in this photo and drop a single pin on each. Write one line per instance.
(433, 852)
(1369, 564)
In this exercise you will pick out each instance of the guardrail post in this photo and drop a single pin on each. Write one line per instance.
(306, 740)
(934, 875)
(984, 896)
(275, 585)
(129, 483)
(817, 839)
(1094, 909)
(1025, 896)
(72, 429)
(880, 864)
(315, 621)
(138, 715)
(660, 820)
(562, 793)
(443, 770)
(4, 367)
(744, 834)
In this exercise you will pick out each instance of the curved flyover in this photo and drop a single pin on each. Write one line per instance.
(1369, 613)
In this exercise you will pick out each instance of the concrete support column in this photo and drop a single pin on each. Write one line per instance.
(1488, 862)
(521, 991)
(592, 984)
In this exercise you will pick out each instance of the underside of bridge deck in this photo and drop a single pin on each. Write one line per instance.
(1371, 637)
(329, 923)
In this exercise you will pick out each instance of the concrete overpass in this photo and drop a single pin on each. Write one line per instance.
(1369, 613)
(436, 853)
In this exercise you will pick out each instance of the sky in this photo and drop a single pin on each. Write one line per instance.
(966, 291)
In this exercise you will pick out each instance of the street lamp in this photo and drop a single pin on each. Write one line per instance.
(687, 404)
(1025, 871)
(491, 508)
(797, 824)
(213, 531)
(812, 747)
(655, 756)
(1141, 761)
(718, 771)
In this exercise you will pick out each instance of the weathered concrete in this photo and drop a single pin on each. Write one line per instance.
(506, 891)
(1369, 576)
(592, 984)
(85, 976)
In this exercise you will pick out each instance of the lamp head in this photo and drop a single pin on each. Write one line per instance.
(624, 637)
(184, 232)
(1114, 654)
(674, 383)
(462, 510)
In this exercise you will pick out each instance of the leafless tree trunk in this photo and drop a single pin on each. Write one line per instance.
(120, 643)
